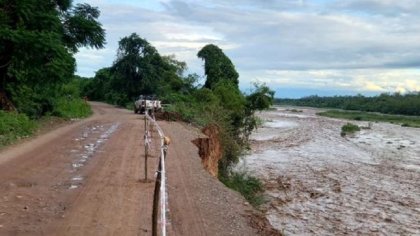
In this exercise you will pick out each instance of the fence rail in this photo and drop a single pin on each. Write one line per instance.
(160, 192)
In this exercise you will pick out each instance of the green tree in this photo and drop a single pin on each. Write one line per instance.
(97, 87)
(261, 98)
(217, 66)
(139, 69)
(37, 42)
(133, 68)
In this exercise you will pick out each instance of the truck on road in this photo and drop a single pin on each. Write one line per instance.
(147, 103)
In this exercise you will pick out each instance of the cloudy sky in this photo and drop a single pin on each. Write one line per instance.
(297, 47)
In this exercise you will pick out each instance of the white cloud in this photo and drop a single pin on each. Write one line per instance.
(367, 45)
(360, 80)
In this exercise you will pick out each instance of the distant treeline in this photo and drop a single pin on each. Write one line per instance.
(407, 104)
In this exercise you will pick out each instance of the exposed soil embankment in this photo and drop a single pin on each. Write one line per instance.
(210, 149)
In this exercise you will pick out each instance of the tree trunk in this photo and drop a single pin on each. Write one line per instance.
(5, 103)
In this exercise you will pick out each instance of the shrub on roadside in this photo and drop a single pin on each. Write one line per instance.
(250, 187)
(14, 126)
(71, 108)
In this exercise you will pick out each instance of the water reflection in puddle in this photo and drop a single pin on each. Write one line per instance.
(90, 148)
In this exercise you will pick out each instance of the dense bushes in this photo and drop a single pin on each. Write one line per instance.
(37, 42)
(250, 187)
(14, 126)
(34, 103)
(408, 104)
(71, 108)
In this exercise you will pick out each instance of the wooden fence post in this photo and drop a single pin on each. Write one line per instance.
(146, 147)
(156, 197)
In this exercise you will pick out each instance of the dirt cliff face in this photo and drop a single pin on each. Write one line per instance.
(210, 149)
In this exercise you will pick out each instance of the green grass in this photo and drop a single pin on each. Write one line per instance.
(71, 108)
(250, 187)
(349, 128)
(14, 126)
(406, 121)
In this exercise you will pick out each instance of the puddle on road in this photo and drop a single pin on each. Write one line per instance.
(91, 140)
(73, 186)
(76, 165)
(77, 178)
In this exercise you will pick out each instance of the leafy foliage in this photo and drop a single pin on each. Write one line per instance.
(250, 187)
(217, 66)
(138, 69)
(261, 98)
(71, 108)
(14, 126)
(349, 128)
(37, 42)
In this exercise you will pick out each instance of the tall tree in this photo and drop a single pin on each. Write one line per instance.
(134, 69)
(37, 42)
(139, 69)
(217, 66)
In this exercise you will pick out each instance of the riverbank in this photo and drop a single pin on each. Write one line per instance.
(318, 182)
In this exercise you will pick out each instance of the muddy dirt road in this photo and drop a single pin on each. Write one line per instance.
(320, 183)
(83, 179)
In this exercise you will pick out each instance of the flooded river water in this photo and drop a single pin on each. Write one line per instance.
(319, 183)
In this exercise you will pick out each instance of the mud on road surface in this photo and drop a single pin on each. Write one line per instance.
(84, 179)
(81, 179)
(320, 183)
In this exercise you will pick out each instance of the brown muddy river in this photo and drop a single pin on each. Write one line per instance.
(319, 183)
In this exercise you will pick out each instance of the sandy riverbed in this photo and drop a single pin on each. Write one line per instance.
(323, 184)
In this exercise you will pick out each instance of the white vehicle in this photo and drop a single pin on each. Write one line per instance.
(150, 103)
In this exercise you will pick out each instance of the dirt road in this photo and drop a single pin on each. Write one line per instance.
(84, 179)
